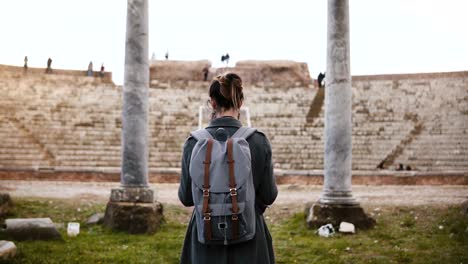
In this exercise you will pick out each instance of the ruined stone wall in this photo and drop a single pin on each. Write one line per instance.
(20, 71)
(58, 121)
(432, 110)
(170, 70)
(53, 120)
(279, 73)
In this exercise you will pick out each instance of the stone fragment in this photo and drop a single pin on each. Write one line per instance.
(95, 219)
(7, 250)
(326, 230)
(31, 229)
(346, 227)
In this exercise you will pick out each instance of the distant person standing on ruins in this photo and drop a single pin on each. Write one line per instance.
(101, 73)
(225, 58)
(49, 66)
(25, 63)
(226, 98)
(320, 80)
(90, 69)
(205, 74)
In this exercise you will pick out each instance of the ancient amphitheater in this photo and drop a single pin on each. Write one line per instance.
(66, 125)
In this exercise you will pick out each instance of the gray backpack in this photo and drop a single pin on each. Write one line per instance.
(222, 188)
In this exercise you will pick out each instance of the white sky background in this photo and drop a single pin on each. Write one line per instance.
(387, 36)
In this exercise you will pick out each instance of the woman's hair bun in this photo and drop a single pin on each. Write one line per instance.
(229, 87)
(225, 89)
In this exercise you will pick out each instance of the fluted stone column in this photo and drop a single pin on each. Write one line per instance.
(336, 203)
(132, 206)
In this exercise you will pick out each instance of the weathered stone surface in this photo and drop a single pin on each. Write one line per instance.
(7, 250)
(171, 70)
(134, 218)
(338, 111)
(88, 142)
(5, 204)
(135, 97)
(320, 214)
(106, 77)
(31, 229)
(132, 195)
(95, 219)
(272, 73)
(304, 177)
(346, 227)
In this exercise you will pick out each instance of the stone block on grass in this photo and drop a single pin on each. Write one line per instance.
(31, 229)
(95, 219)
(7, 250)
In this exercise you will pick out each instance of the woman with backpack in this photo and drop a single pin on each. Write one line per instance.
(223, 189)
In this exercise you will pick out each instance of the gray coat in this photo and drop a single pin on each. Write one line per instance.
(258, 250)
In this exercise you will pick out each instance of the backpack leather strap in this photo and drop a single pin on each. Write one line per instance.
(233, 192)
(206, 191)
(244, 132)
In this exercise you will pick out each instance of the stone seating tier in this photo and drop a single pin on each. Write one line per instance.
(74, 121)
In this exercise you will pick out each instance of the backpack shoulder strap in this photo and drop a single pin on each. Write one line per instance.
(201, 134)
(244, 132)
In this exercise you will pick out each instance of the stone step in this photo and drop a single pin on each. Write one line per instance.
(10, 163)
(85, 147)
(88, 157)
(79, 164)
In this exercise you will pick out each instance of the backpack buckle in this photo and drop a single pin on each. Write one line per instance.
(207, 216)
(233, 191)
(235, 217)
(206, 192)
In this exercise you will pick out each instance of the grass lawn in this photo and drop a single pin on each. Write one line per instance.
(435, 234)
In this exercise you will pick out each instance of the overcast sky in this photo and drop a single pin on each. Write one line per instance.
(387, 36)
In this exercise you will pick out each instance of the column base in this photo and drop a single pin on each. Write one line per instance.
(134, 218)
(132, 195)
(331, 197)
(319, 214)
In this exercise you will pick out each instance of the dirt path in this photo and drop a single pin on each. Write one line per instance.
(288, 194)
(291, 198)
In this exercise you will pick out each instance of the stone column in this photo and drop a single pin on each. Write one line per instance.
(132, 207)
(135, 98)
(336, 203)
(338, 126)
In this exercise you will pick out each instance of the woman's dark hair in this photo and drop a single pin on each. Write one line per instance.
(226, 91)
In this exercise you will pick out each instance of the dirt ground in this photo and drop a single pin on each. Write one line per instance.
(288, 194)
(291, 198)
